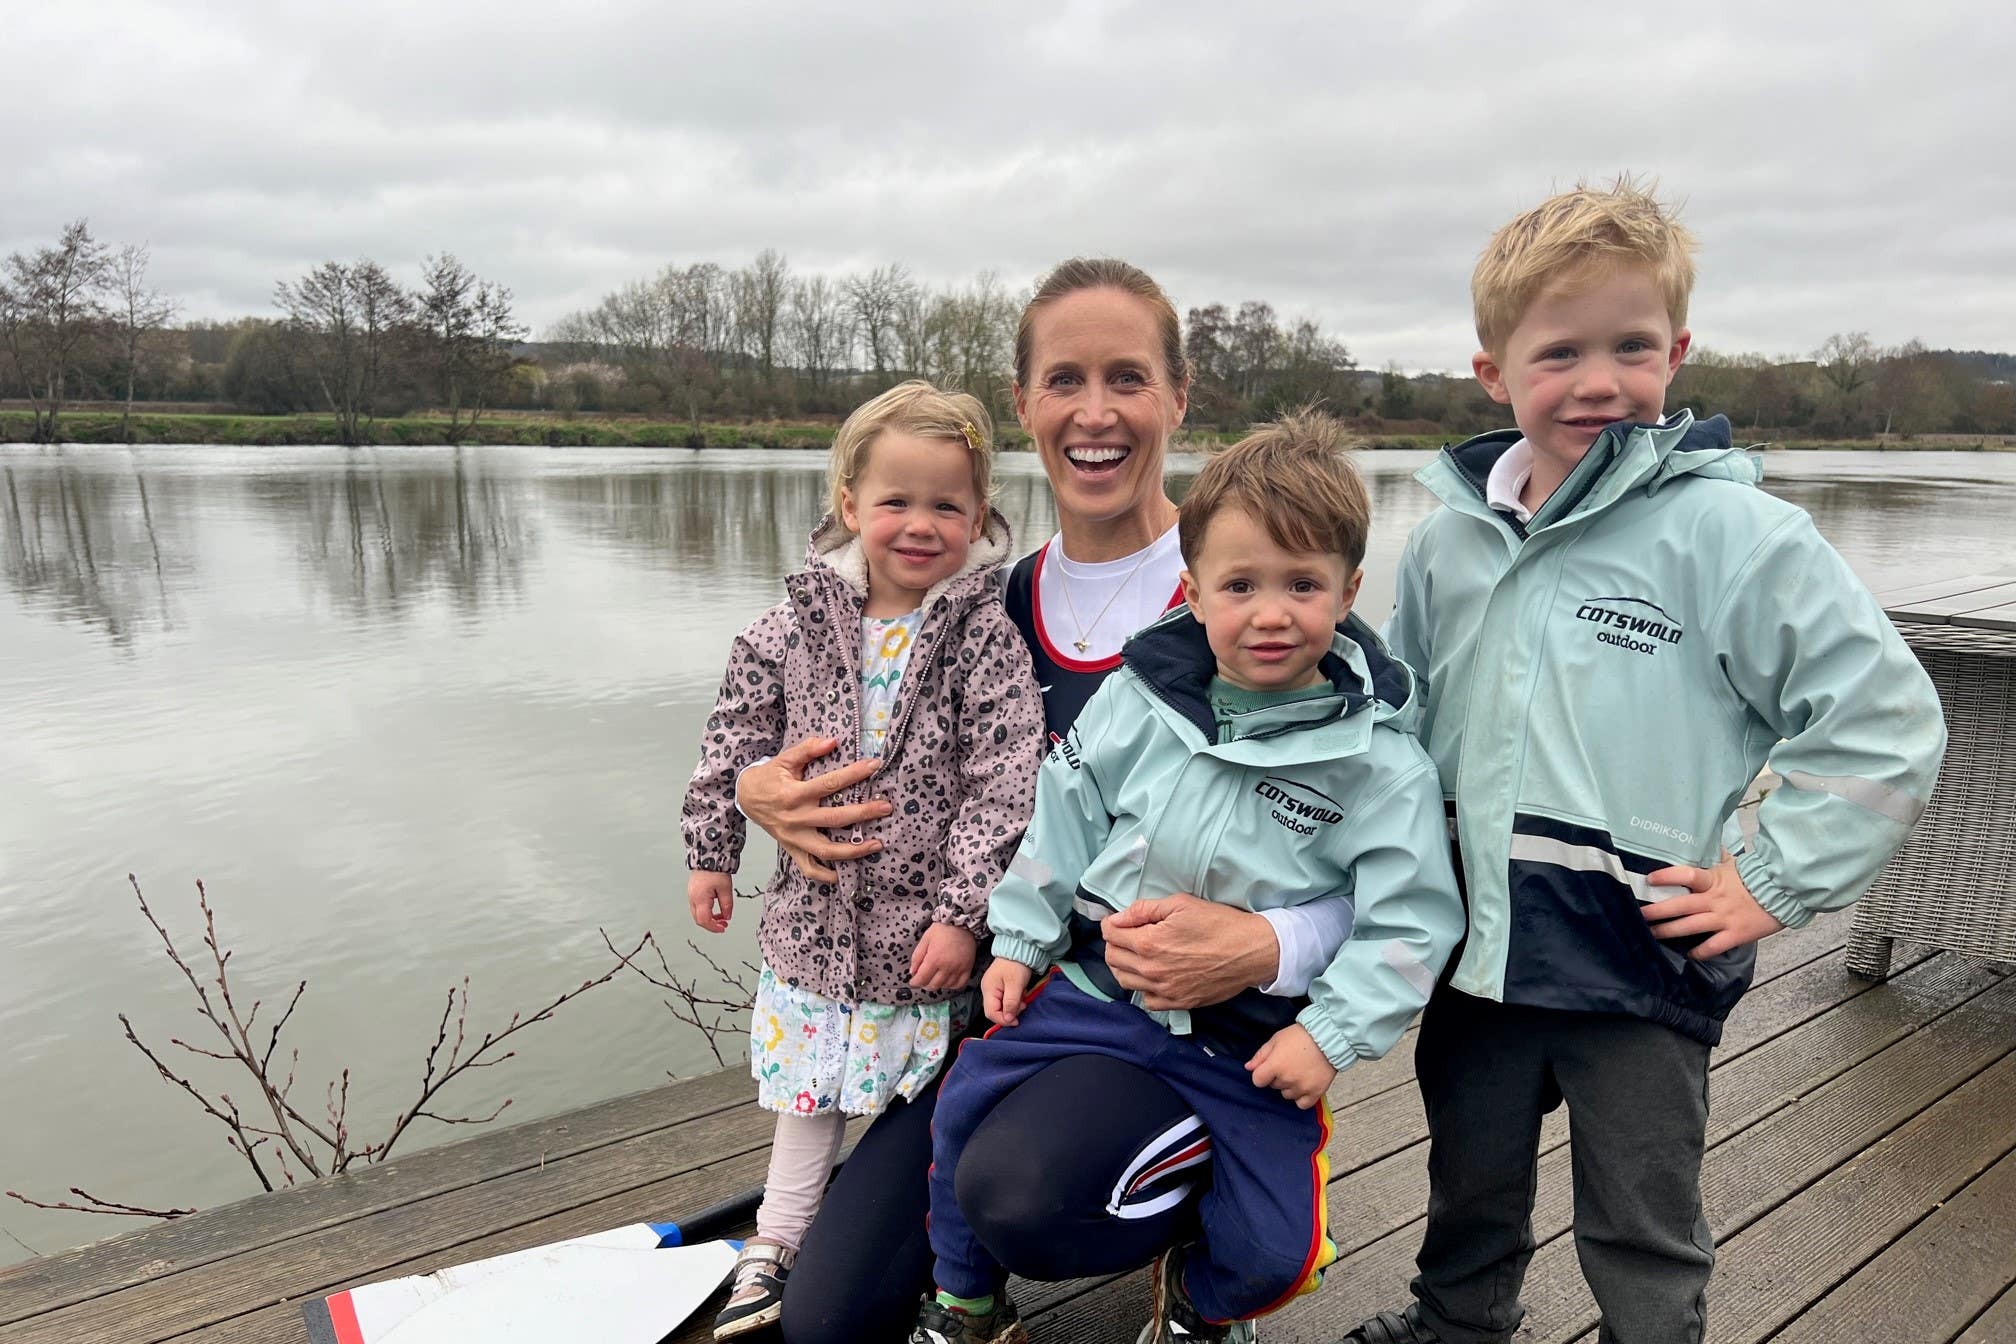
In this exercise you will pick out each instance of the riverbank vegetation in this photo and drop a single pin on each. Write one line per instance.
(95, 425)
(707, 355)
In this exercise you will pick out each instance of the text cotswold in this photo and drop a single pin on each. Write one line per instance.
(1636, 625)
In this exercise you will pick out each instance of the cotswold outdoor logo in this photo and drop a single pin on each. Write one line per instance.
(1298, 807)
(1631, 623)
(1066, 751)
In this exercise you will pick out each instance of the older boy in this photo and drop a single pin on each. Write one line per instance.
(1617, 628)
(1250, 752)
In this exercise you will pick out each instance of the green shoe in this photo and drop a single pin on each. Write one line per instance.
(1176, 1320)
(940, 1324)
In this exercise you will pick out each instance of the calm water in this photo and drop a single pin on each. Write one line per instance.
(420, 714)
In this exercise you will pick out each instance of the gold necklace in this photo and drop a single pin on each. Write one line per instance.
(1084, 639)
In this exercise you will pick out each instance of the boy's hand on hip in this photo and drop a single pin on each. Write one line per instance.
(711, 896)
(943, 958)
(1183, 952)
(1715, 903)
(1003, 990)
(1292, 1064)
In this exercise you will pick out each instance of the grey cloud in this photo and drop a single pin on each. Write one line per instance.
(1836, 161)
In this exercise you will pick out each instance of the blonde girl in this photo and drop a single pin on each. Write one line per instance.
(891, 642)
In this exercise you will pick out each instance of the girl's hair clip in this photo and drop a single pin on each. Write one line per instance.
(972, 433)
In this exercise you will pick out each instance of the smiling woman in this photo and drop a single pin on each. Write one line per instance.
(1101, 383)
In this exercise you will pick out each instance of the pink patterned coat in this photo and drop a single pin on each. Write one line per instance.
(959, 764)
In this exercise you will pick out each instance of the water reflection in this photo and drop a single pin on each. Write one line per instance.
(87, 546)
(695, 521)
(374, 538)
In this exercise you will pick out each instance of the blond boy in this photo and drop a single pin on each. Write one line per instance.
(1617, 626)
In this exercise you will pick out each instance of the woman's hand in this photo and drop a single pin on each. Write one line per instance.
(943, 959)
(1002, 991)
(777, 796)
(1182, 952)
(711, 897)
(1292, 1064)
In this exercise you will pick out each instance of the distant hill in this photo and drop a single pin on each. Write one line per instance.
(1996, 367)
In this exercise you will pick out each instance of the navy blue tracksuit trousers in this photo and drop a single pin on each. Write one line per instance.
(1266, 1235)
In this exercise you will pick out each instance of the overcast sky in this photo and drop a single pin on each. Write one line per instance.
(1846, 166)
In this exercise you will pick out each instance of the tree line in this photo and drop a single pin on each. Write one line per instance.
(703, 342)
(79, 321)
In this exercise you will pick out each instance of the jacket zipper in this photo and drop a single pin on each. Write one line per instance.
(901, 727)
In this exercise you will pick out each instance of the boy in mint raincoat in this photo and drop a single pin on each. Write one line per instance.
(1252, 752)
(1617, 628)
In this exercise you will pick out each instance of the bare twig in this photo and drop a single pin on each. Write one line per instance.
(38, 1255)
(457, 1063)
(94, 1204)
(713, 1017)
(294, 1145)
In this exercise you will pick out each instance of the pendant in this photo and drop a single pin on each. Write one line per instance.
(1081, 645)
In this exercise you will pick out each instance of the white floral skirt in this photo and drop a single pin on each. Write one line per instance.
(810, 1053)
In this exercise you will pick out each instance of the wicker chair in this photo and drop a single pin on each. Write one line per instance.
(1953, 885)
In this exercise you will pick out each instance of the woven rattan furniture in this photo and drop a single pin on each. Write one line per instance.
(1953, 885)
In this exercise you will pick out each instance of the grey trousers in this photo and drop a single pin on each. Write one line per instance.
(1637, 1096)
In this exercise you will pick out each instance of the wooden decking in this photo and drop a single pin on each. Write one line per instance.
(1861, 1180)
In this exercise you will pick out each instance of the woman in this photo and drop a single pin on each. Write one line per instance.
(1085, 1169)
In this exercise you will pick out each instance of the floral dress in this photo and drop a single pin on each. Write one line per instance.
(812, 1054)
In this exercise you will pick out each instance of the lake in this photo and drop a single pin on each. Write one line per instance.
(420, 714)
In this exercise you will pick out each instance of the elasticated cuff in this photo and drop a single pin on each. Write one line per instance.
(1329, 1037)
(1780, 904)
(1029, 954)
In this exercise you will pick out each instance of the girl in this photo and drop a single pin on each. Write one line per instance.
(892, 640)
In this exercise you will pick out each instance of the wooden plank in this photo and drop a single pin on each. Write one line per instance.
(1394, 1191)
(150, 1256)
(278, 1321)
(1760, 1169)
(439, 1227)
(1989, 618)
(186, 1243)
(1774, 1269)
(1793, 948)
(1941, 610)
(1910, 595)
(1997, 1325)
(1797, 1142)
(1934, 1280)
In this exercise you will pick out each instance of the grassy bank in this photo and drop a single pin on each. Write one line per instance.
(623, 432)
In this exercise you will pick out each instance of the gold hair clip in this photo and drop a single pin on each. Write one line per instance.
(972, 433)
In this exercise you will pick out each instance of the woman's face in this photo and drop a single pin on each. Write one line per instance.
(1099, 403)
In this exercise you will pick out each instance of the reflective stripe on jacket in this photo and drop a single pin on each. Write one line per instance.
(1604, 684)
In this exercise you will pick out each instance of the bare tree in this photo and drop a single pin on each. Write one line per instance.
(981, 319)
(50, 308)
(466, 332)
(1847, 363)
(1912, 389)
(767, 286)
(350, 320)
(137, 313)
(916, 334)
(874, 301)
(818, 326)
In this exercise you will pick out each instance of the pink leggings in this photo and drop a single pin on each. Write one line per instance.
(801, 1158)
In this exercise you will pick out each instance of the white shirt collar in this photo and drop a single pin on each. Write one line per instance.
(1508, 477)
